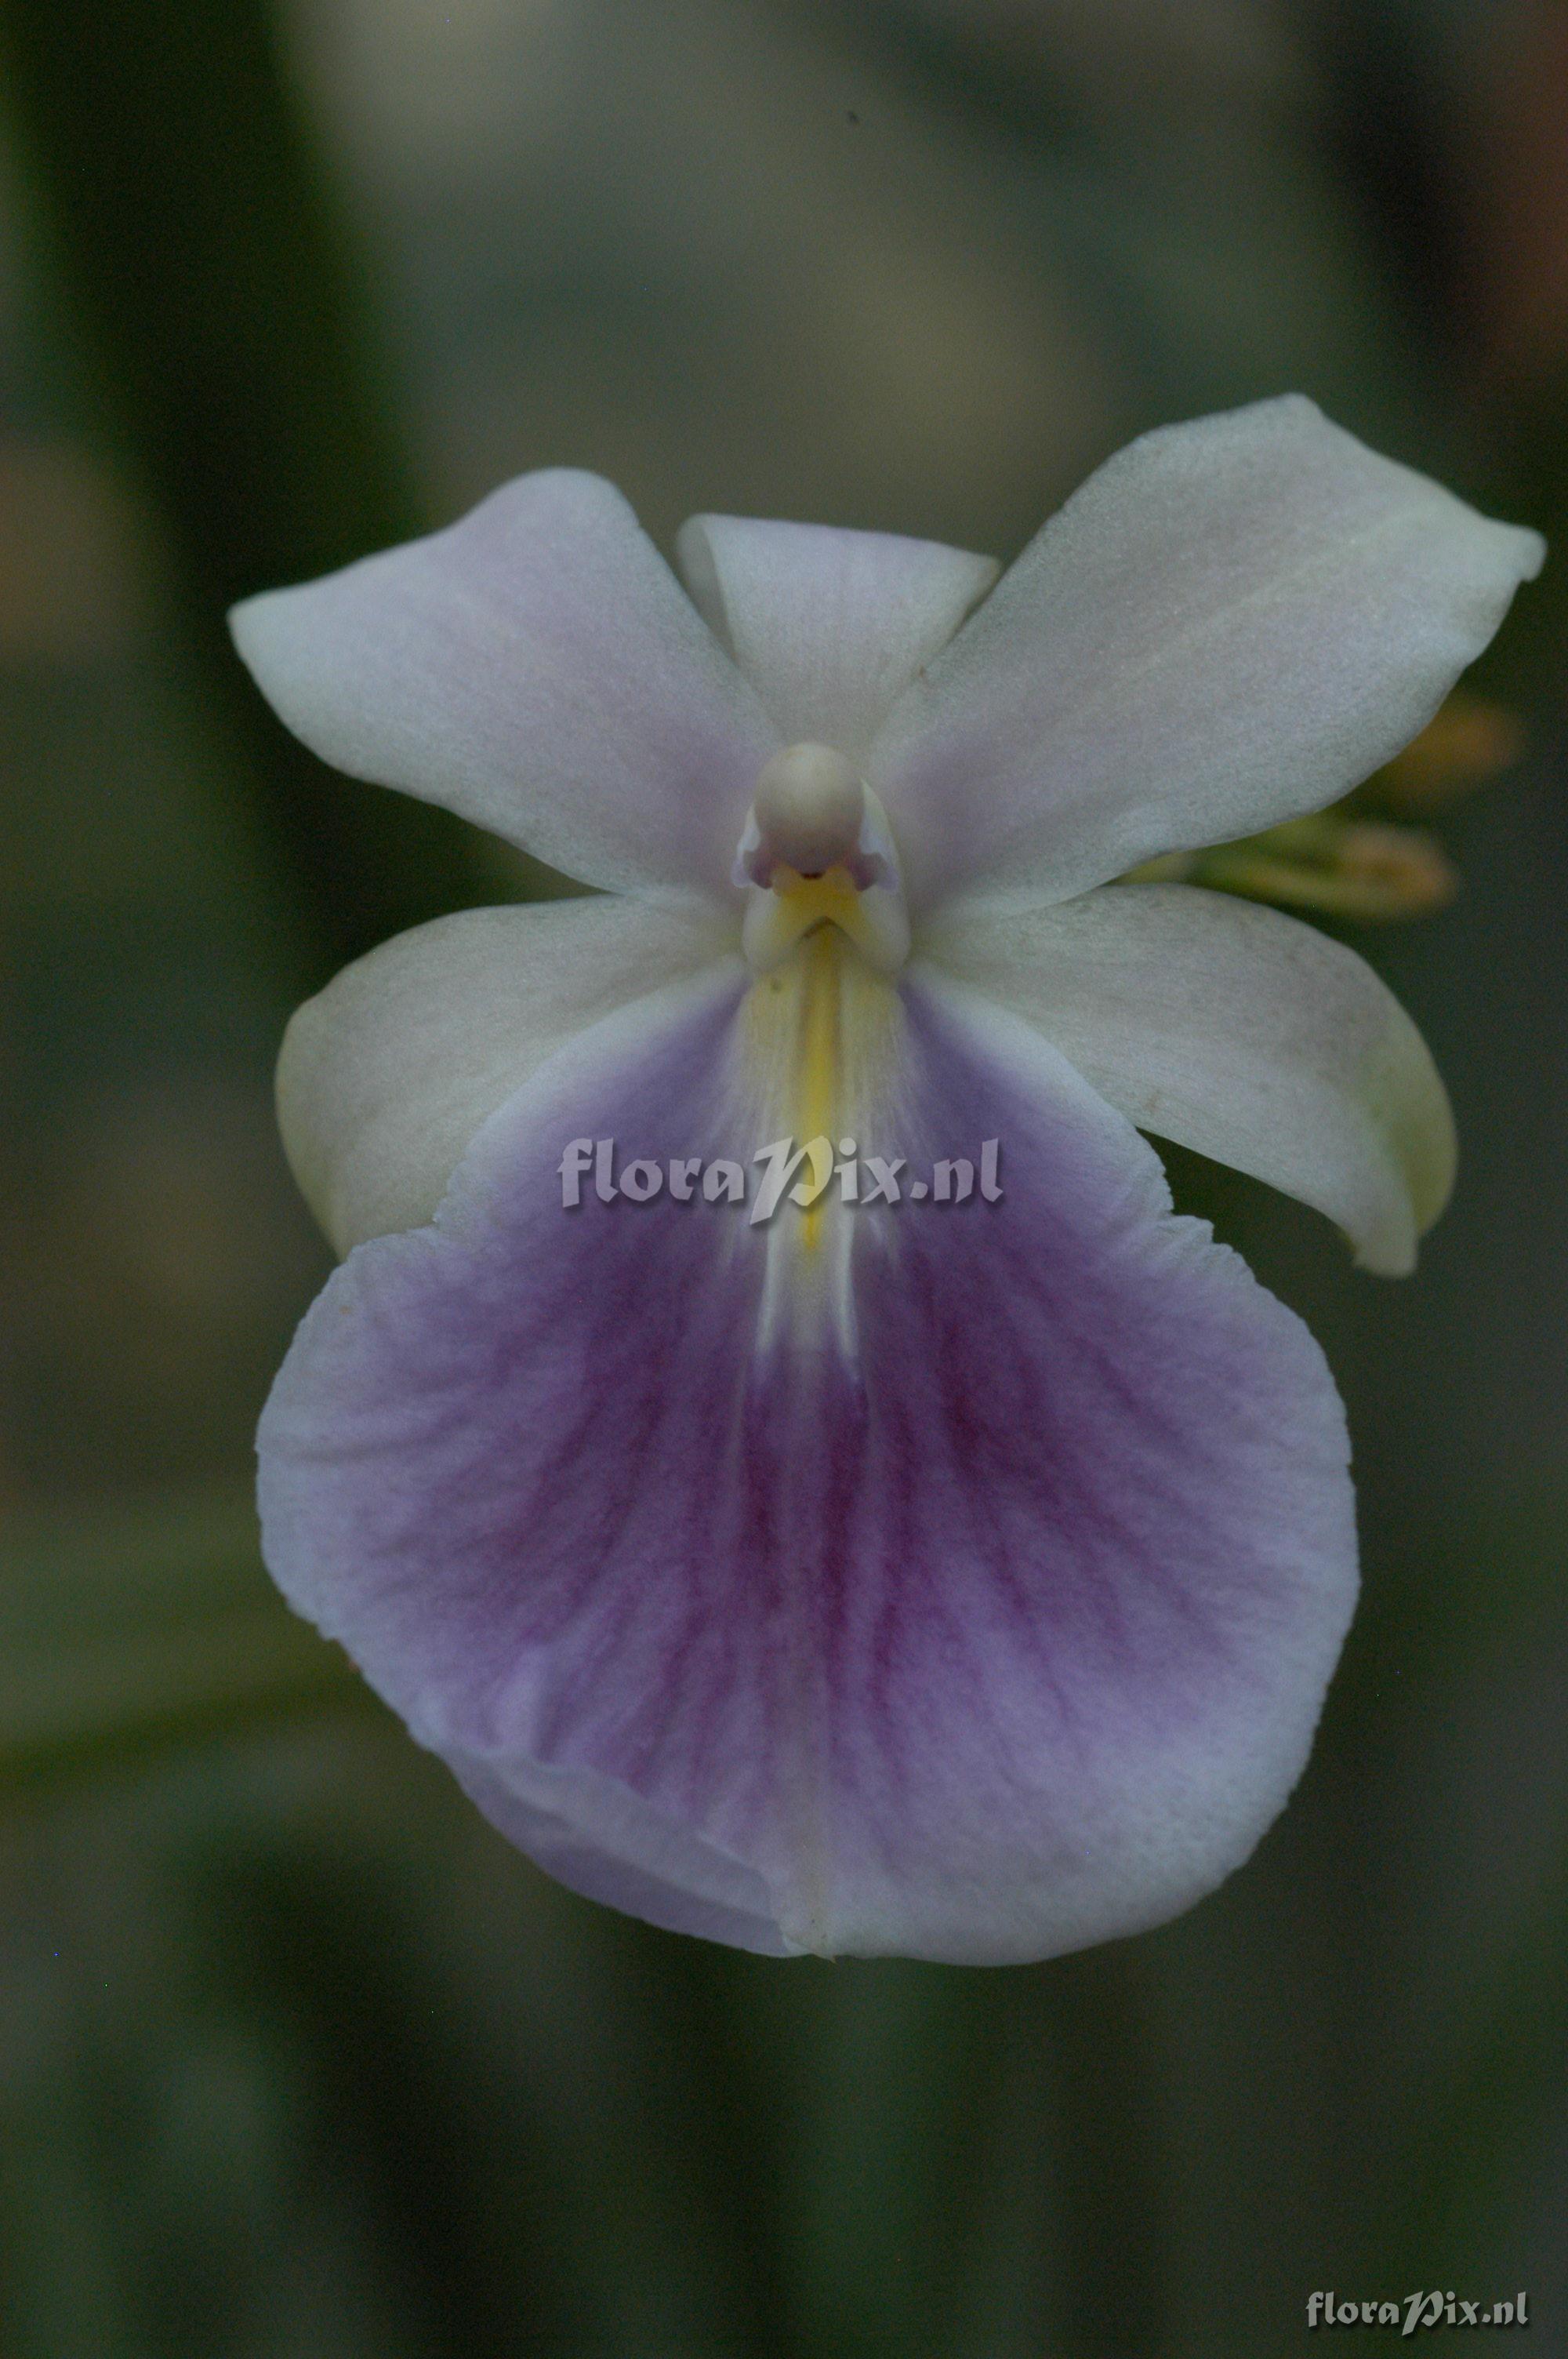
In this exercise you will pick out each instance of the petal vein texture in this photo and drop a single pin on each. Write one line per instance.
(1002, 1634)
(1239, 1032)
(1233, 622)
(828, 627)
(537, 667)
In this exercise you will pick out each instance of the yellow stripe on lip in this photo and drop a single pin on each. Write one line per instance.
(821, 1039)
(820, 1054)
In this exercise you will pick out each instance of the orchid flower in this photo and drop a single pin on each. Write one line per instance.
(954, 1579)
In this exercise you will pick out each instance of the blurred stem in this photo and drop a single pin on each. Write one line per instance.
(180, 203)
(980, 2168)
(1113, 2203)
(1065, 2247)
(1458, 2138)
(326, 1950)
(1486, 2137)
(883, 2187)
(706, 2009)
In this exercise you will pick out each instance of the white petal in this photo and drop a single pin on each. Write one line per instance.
(1232, 623)
(829, 626)
(537, 668)
(387, 1075)
(1238, 1032)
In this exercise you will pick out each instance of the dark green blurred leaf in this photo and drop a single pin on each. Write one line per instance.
(226, 336)
(121, 1627)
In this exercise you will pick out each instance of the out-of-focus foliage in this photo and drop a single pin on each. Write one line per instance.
(297, 2059)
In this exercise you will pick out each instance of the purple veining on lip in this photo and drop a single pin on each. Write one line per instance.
(1012, 1636)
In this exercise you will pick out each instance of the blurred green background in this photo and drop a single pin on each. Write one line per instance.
(297, 2059)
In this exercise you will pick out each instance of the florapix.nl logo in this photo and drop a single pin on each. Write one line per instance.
(782, 1172)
